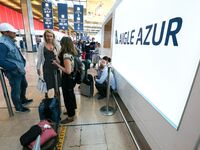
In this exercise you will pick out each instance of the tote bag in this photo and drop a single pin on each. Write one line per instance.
(41, 85)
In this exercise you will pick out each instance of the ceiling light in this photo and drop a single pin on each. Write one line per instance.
(36, 2)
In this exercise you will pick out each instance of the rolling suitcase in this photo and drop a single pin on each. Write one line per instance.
(87, 86)
(49, 109)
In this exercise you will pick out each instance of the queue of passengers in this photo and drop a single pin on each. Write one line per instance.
(51, 56)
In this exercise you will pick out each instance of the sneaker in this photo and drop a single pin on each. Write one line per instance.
(67, 120)
(23, 110)
(27, 101)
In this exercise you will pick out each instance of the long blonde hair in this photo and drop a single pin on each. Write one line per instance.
(51, 32)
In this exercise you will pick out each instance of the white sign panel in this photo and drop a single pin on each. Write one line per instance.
(156, 48)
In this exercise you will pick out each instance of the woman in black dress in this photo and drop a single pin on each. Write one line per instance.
(48, 50)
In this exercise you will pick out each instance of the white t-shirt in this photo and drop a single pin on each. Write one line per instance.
(71, 58)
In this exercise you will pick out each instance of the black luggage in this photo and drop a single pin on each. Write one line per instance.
(50, 108)
(87, 86)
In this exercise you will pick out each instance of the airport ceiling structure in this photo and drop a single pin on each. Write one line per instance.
(95, 11)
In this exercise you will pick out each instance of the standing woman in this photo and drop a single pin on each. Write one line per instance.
(48, 50)
(96, 55)
(66, 58)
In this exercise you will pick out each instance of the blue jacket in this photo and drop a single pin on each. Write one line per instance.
(11, 58)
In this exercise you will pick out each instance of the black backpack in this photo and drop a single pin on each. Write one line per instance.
(79, 71)
(49, 109)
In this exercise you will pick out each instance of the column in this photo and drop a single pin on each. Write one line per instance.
(28, 24)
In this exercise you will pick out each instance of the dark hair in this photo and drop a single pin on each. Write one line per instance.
(67, 46)
(105, 58)
(109, 59)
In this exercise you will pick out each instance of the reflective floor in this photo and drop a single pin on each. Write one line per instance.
(91, 130)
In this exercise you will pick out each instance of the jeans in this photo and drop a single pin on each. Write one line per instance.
(18, 84)
(102, 88)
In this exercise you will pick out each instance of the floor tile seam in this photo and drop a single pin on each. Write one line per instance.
(93, 144)
(101, 123)
(27, 106)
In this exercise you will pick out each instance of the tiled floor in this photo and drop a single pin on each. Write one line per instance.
(89, 131)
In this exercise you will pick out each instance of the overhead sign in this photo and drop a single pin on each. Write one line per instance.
(78, 17)
(62, 16)
(47, 15)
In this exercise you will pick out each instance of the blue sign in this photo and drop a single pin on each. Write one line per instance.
(84, 36)
(47, 15)
(78, 17)
(62, 16)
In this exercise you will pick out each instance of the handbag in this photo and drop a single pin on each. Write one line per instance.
(30, 135)
(47, 133)
(41, 85)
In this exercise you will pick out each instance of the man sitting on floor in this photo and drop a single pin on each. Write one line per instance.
(101, 80)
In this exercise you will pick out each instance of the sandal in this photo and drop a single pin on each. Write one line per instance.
(65, 113)
(67, 120)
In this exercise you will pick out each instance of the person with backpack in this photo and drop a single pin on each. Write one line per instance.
(66, 57)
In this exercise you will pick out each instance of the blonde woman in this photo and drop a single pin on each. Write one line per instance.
(48, 50)
(66, 58)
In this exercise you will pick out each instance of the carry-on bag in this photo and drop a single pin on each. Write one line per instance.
(87, 86)
(48, 133)
(48, 136)
(50, 108)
